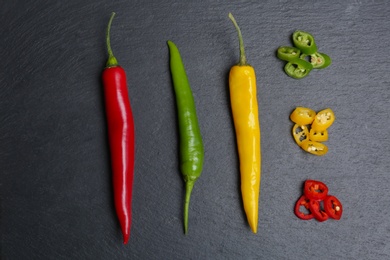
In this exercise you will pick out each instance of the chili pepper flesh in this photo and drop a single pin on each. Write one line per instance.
(333, 207)
(305, 42)
(318, 203)
(300, 133)
(288, 53)
(323, 120)
(318, 213)
(315, 190)
(310, 138)
(313, 147)
(243, 98)
(302, 115)
(298, 68)
(120, 127)
(303, 201)
(318, 136)
(304, 57)
(191, 145)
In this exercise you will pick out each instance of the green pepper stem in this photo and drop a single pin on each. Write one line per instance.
(111, 62)
(242, 61)
(189, 186)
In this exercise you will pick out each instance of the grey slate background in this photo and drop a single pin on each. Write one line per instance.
(56, 200)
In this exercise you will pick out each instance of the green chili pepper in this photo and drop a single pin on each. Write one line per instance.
(298, 68)
(288, 53)
(318, 60)
(305, 42)
(191, 145)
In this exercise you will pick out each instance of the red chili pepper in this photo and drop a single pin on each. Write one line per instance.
(120, 136)
(315, 190)
(303, 201)
(333, 207)
(318, 213)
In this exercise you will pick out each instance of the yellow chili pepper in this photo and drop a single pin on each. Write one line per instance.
(323, 120)
(300, 133)
(242, 85)
(313, 147)
(303, 115)
(318, 136)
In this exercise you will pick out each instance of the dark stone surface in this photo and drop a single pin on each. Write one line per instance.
(56, 195)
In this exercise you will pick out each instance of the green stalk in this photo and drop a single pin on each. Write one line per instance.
(111, 62)
(189, 186)
(242, 61)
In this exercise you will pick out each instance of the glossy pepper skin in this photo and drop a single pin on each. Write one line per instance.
(243, 98)
(191, 144)
(120, 127)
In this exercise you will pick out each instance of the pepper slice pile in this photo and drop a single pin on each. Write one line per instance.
(310, 139)
(317, 203)
(304, 57)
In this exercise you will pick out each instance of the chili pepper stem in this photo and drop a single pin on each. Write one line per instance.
(189, 186)
(112, 61)
(242, 61)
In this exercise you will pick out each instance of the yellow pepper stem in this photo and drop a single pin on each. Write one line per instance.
(242, 61)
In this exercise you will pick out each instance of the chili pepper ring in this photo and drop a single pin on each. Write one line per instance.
(191, 145)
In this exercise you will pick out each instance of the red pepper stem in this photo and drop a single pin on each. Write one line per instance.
(242, 61)
(189, 186)
(111, 62)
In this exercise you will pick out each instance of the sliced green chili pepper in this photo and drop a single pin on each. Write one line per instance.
(298, 68)
(305, 42)
(288, 53)
(318, 60)
(322, 60)
(191, 145)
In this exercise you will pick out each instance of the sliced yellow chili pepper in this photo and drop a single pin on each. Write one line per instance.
(318, 136)
(313, 147)
(242, 85)
(300, 133)
(323, 120)
(302, 115)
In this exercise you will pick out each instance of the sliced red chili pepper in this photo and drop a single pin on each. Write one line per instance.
(315, 190)
(303, 201)
(318, 213)
(333, 207)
